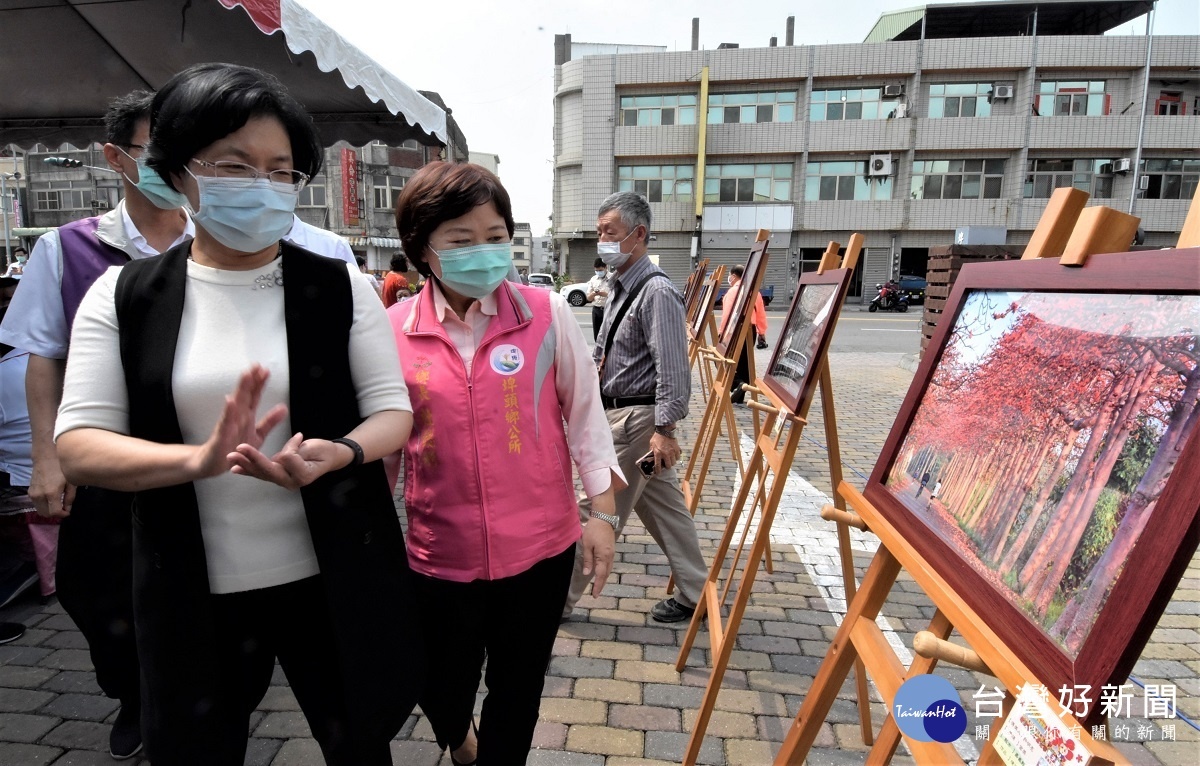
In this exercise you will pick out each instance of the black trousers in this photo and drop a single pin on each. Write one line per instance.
(742, 373)
(290, 622)
(513, 621)
(597, 320)
(95, 586)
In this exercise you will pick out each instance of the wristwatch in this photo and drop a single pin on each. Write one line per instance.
(667, 431)
(355, 448)
(613, 520)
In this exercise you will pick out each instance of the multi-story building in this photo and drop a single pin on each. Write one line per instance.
(522, 247)
(945, 117)
(543, 255)
(484, 159)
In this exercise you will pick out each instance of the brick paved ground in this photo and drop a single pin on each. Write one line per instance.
(613, 697)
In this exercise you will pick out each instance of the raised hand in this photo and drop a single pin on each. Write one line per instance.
(237, 424)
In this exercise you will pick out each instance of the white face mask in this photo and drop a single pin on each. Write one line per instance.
(611, 253)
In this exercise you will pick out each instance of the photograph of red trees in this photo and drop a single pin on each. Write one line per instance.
(1050, 426)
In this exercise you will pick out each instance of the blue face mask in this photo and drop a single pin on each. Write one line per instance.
(475, 271)
(245, 214)
(154, 188)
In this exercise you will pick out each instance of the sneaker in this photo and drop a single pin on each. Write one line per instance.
(125, 739)
(11, 631)
(670, 610)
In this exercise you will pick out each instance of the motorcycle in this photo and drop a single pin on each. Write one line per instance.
(890, 298)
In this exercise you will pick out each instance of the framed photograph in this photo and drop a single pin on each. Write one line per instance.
(691, 289)
(756, 265)
(792, 372)
(1044, 461)
(703, 308)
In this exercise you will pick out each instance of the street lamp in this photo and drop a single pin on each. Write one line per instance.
(7, 206)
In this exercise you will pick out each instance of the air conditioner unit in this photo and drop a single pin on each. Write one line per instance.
(100, 204)
(879, 166)
(901, 110)
(893, 91)
(1106, 169)
(1122, 165)
(1143, 183)
(1001, 92)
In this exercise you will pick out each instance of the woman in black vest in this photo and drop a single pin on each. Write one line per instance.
(245, 389)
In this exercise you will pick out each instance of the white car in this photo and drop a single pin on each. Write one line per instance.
(542, 280)
(575, 294)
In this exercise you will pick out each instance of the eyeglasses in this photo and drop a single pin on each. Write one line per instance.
(228, 169)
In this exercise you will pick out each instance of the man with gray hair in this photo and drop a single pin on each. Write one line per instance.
(645, 382)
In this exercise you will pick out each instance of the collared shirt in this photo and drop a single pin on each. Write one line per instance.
(600, 283)
(589, 436)
(35, 321)
(649, 353)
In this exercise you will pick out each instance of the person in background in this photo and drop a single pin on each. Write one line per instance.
(236, 385)
(645, 382)
(362, 267)
(759, 330)
(496, 369)
(94, 576)
(317, 240)
(19, 258)
(597, 293)
(395, 283)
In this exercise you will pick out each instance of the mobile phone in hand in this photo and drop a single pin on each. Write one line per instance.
(645, 464)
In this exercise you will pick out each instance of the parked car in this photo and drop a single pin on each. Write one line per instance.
(914, 287)
(767, 293)
(542, 280)
(576, 293)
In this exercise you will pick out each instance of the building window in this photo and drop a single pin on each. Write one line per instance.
(410, 143)
(658, 110)
(65, 195)
(844, 180)
(748, 183)
(387, 189)
(1045, 176)
(960, 99)
(751, 107)
(1170, 103)
(1171, 179)
(857, 104)
(313, 195)
(1071, 98)
(957, 179)
(658, 183)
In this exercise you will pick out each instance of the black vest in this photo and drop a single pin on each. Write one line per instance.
(355, 530)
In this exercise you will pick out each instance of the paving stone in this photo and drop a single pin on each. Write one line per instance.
(588, 631)
(283, 725)
(24, 677)
(641, 635)
(95, 758)
(749, 752)
(260, 752)
(279, 698)
(643, 718)
(740, 701)
(723, 724)
(306, 752)
(21, 727)
(549, 735)
(34, 636)
(71, 682)
(558, 758)
(84, 707)
(67, 659)
(59, 622)
(11, 654)
(604, 740)
(669, 746)
(570, 711)
(652, 672)
(67, 639)
(611, 650)
(80, 735)
(22, 700)
(581, 667)
(664, 695)
(27, 755)
(554, 686)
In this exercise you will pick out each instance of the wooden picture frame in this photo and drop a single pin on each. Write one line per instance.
(691, 290)
(700, 315)
(795, 364)
(755, 262)
(1083, 364)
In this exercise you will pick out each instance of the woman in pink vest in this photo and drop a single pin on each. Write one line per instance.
(495, 369)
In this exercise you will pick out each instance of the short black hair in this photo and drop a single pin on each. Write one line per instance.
(399, 263)
(123, 115)
(440, 192)
(599, 264)
(206, 102)
(360, 260)
(18, 249)
(738, 271)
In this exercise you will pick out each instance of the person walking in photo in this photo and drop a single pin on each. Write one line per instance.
(495, 369)
(245, 390)
(395, 283)
(597, 293)
(645, 382)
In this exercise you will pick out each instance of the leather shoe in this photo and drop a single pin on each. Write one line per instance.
(670, 610)
(125, 739)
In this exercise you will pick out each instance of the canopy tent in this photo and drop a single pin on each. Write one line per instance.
(64, 60)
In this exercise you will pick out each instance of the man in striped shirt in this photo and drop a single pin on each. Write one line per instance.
(645, 382)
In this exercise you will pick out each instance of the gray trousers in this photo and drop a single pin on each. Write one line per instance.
(658, 502)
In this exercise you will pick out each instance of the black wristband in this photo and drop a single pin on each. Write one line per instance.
(354, 446)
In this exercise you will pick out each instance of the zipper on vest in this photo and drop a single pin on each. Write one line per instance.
(487, 564)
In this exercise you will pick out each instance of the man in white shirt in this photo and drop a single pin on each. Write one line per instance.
(598, 288)
(319, 241)
(94, 575)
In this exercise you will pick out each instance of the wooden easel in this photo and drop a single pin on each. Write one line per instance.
(707, 337)
(1074, 233)
(718, 413)
(769, 464)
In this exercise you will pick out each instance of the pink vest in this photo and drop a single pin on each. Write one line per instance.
(487, 472)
